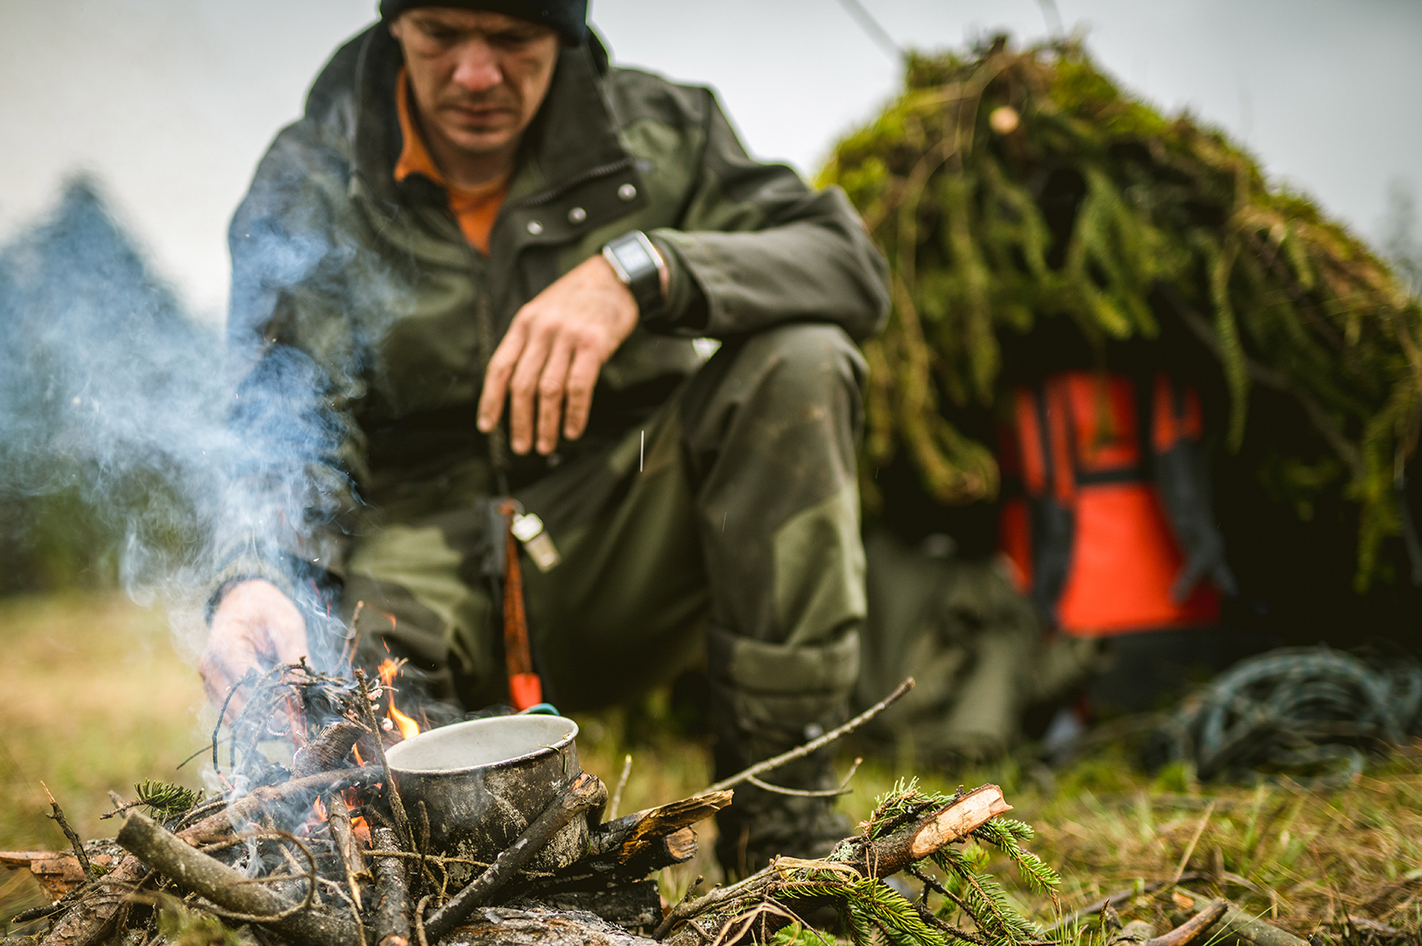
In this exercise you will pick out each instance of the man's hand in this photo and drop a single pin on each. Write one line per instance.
(549, 360)
(254, 627)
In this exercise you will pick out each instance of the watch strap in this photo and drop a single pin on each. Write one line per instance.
(638, 264)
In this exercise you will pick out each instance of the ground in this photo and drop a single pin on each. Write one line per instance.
(96, 698)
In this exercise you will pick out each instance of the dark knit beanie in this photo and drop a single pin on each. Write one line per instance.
(568, 17)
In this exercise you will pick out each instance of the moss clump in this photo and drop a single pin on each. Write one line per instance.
(1017, 191)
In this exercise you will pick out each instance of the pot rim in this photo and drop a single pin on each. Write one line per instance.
(560, 746)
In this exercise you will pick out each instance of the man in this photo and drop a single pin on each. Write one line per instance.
(477, 266)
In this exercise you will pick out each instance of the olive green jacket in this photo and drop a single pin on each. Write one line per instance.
(361, 317)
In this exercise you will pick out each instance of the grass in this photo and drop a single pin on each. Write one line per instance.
(97, 699)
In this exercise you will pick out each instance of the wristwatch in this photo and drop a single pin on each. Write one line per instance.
(637, 263)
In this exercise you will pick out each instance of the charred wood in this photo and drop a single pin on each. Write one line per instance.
(328, 750)
(511, 926)
(338, 818)
(634, 906)
(392, 892)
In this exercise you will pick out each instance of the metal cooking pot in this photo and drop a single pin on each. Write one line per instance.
(482, 782)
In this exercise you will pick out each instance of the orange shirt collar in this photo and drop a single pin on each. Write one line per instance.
(474, 207)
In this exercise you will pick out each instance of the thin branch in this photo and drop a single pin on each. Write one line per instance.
(74, 840)
(617, 792)
(397, 807)
(777, 761)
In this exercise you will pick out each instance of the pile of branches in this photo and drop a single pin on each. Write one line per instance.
(325, 852)
(1016, 191)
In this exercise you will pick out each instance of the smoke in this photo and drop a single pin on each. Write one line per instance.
(118, 457)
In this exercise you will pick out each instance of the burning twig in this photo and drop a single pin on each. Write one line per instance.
(230, 889)
(74, 840)
(392, 892)
(585, 792)
(338, 817)
(397, 807)
(760, 768)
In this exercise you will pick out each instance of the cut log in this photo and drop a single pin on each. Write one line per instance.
(196, 872)
(888, 855)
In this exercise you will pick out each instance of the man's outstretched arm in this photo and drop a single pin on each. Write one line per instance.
(254, 627)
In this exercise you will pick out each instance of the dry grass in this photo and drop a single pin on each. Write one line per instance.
(97, 699)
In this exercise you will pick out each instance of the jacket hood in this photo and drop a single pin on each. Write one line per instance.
(353, 97)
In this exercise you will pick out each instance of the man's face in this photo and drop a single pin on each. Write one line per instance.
(478, 77)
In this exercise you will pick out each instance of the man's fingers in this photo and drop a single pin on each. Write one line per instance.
(496, 377)
(523, 389)
(582, 376)
(551, 387)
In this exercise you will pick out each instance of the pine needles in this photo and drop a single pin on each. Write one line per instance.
(165, 799)
(874, 912)
(1015, 191)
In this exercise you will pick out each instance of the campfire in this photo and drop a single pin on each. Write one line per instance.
(380, 834)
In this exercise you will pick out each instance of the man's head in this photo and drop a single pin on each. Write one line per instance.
(480, 70)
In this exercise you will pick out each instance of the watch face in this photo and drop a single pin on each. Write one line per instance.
(635, 258)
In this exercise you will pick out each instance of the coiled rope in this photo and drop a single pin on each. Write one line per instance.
(1308, 713)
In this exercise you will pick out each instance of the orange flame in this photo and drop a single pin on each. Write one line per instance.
(389, 670)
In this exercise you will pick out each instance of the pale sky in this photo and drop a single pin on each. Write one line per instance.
(170, 103)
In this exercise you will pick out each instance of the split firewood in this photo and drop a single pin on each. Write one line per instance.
(58, 872)
(196, 872)
(392, 891)
(327, 751)
(92, 917)
(585, 792)
(626, 837)
(627, 849)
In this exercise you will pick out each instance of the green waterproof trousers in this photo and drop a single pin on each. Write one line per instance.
(732, 513)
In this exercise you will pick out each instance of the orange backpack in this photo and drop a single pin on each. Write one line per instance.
(1111, 529)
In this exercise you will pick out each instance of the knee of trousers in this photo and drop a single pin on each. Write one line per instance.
(790, 366)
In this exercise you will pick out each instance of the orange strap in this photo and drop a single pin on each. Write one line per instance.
(525, 689)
